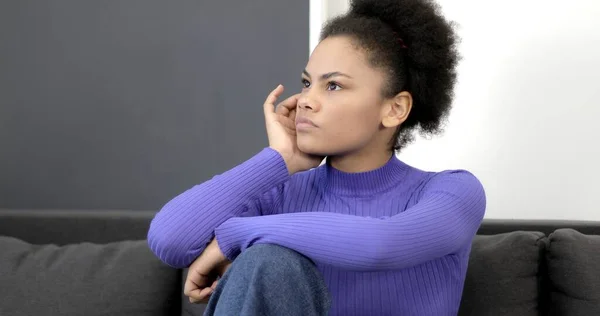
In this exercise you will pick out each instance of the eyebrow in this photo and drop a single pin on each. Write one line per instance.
(328, 75)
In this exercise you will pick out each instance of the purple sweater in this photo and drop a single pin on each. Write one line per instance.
(392, 241)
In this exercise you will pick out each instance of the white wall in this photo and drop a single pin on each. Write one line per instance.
(526, 117)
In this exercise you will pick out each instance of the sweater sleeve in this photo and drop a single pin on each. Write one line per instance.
(443, 221)
(185, 225)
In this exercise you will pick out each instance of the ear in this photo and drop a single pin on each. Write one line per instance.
(396, 110)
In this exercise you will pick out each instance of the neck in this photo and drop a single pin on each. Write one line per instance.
(360, 175)
(361, 161)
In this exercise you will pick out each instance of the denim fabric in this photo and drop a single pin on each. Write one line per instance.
(270, 280)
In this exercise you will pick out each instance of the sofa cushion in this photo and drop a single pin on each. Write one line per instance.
(120, 278)
(574, 270)
(502, 277)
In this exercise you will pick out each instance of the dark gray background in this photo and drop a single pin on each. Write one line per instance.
(124, 104)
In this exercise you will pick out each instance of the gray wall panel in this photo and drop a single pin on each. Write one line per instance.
(124, 104)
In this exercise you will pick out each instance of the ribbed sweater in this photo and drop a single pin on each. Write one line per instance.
(391, 241)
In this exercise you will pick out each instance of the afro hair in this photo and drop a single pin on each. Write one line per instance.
(416, 46)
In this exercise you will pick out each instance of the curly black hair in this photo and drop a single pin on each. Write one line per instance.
(417, 47)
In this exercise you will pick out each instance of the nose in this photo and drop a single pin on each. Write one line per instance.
(306, 102)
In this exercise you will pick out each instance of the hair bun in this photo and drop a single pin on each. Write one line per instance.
(405, 17)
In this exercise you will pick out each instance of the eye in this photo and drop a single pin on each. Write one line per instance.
(305, 83)
(333, 86)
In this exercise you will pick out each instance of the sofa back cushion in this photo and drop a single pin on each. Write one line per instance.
(574, 270)
(120, 278)
(502, 277)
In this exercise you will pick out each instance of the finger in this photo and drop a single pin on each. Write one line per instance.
(200, 295)
(214, 285)
(195, 281)
(195, 297)
(269, 105)
(189, 287)
(205, 294)
(199, 301)
(287, 123)
(195, 294)
(289, 104)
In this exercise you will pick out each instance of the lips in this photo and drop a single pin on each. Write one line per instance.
(304, 122)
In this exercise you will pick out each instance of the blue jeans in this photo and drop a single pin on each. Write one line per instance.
(270, 280)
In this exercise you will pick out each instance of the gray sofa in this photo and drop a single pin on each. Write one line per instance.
(55, 262)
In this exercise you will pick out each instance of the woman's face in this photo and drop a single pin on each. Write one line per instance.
(342, 97)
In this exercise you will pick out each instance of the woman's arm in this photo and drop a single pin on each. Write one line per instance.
(185, 225)
(445, 219)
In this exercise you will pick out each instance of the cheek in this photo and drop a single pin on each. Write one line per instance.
(354, 126)
(344, 126)
(356, 120)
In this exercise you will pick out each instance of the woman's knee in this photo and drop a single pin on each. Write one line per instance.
(269, 253)
(265, 276)
(275, 260)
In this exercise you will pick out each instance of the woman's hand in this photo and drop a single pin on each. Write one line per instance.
(281, 130)
(202, 275)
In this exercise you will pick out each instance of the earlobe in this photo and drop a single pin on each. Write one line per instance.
(398, 109)
(390, 121)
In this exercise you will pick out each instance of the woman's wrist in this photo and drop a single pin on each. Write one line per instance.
(287, 158)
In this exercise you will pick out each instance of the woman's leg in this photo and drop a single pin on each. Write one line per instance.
(270, 280)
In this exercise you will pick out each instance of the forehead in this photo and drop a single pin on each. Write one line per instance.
(337, 53)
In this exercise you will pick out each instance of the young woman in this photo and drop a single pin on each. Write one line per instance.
(362, 234)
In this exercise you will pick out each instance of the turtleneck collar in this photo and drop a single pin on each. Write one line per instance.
(363, 183)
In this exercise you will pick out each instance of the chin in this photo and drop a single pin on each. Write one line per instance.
(310, 146)
(315, 147)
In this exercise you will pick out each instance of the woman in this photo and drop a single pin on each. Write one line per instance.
(363, 234)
